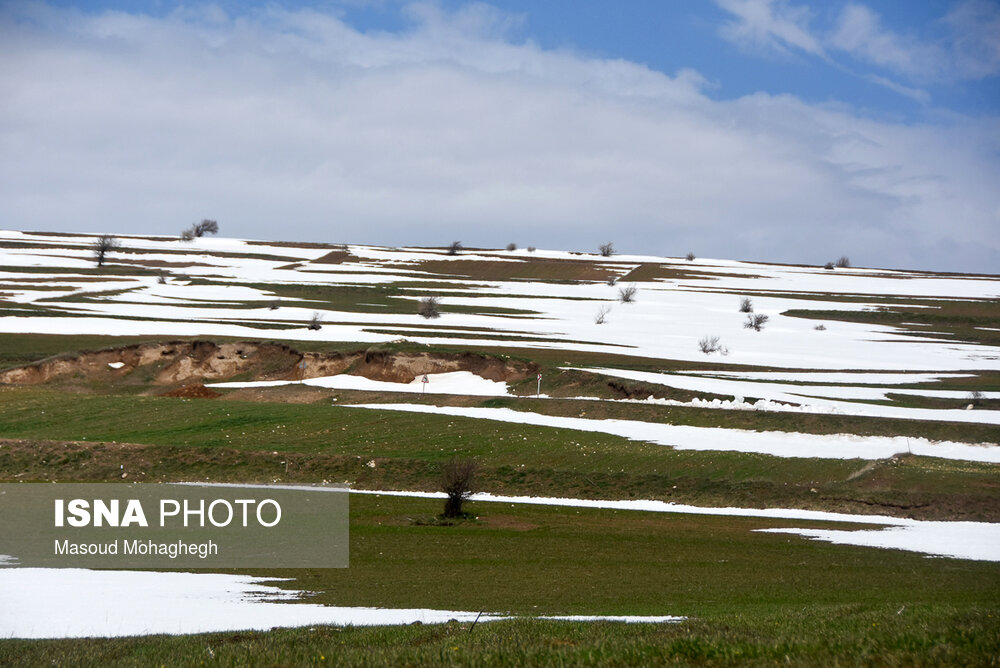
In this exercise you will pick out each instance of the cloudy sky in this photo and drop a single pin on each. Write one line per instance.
(778, 130)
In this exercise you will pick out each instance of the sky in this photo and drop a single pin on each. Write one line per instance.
(769, 130)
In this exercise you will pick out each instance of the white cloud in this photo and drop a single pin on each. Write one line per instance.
(770, 24)
(292, 124)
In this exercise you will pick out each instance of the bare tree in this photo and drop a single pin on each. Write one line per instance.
(828, 265)
(104, 245)
(746, 305)
(843, 262)
(709, 344)
(162, 278)
(531, 249)
(607, 250)
(454, 247)
(205, 227)
(188, 234)
(602, 314)
(755, 321)
(315, 322)
(458, 482)
(689, 256)
(975, 398)
(512, 247)
(626, 294)
(428, 307)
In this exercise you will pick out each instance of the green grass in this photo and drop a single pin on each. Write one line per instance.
(233, 440)
(750, 598)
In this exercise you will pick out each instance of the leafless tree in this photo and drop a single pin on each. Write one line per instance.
(689, 256)
(104, 245)
(843, 262)
(602, 314)
(457, 481)
(188, 234)
(316, 321)
(828, 265)
(454, 247)
(975, 398)
(428, 307)
(709, 344)
(607, 250)
(755, 321)
(626, 294)
(531, 249)
(746, 305)
(205, 227)
(512, 247)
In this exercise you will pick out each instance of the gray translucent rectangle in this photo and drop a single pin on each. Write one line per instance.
(173, 525)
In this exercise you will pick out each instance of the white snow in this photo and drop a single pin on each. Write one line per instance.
(78, 603)
(452, 382)
(682, 437)
(116, 365)
(813, 398)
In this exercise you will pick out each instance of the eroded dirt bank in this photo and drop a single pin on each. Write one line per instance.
(178, 363)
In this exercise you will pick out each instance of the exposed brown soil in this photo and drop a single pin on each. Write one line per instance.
(333, 257)
(187, 363)
(193, 391)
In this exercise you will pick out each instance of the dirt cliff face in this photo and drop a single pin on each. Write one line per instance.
(179, 363)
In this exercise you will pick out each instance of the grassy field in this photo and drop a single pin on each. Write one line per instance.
(175, 438)
(750, 598)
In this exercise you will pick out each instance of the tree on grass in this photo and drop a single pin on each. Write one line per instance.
(458, 482)
(454, 247)
(606, 250)
(104, 245)
(316, 321)
(428, 307)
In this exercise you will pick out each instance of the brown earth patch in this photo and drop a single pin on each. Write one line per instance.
(529, 269)
(180, 363)
(193, 391)
(333, 257)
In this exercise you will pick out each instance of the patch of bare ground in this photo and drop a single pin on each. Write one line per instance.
(193, 391)
(333, 257)
(180, 363)
(532, 269)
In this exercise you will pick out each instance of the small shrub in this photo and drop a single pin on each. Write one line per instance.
(454, 247)
(315, 321)
(512, 247)
(689, 256)
(428, 307)
(602, 314)
(755, 321)
(746, 305)
(274, 305)
(161, 279)
(843, 262)
(606, 250)
(709, 344)
(104, 245)
(626, 295)
(531, 249)
(187, 235)
(457, 481)
(828, 265)
(820, 327)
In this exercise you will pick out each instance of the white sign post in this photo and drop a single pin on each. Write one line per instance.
(423, 383)
(538, 389)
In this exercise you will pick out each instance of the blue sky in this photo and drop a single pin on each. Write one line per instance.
(749, 129)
